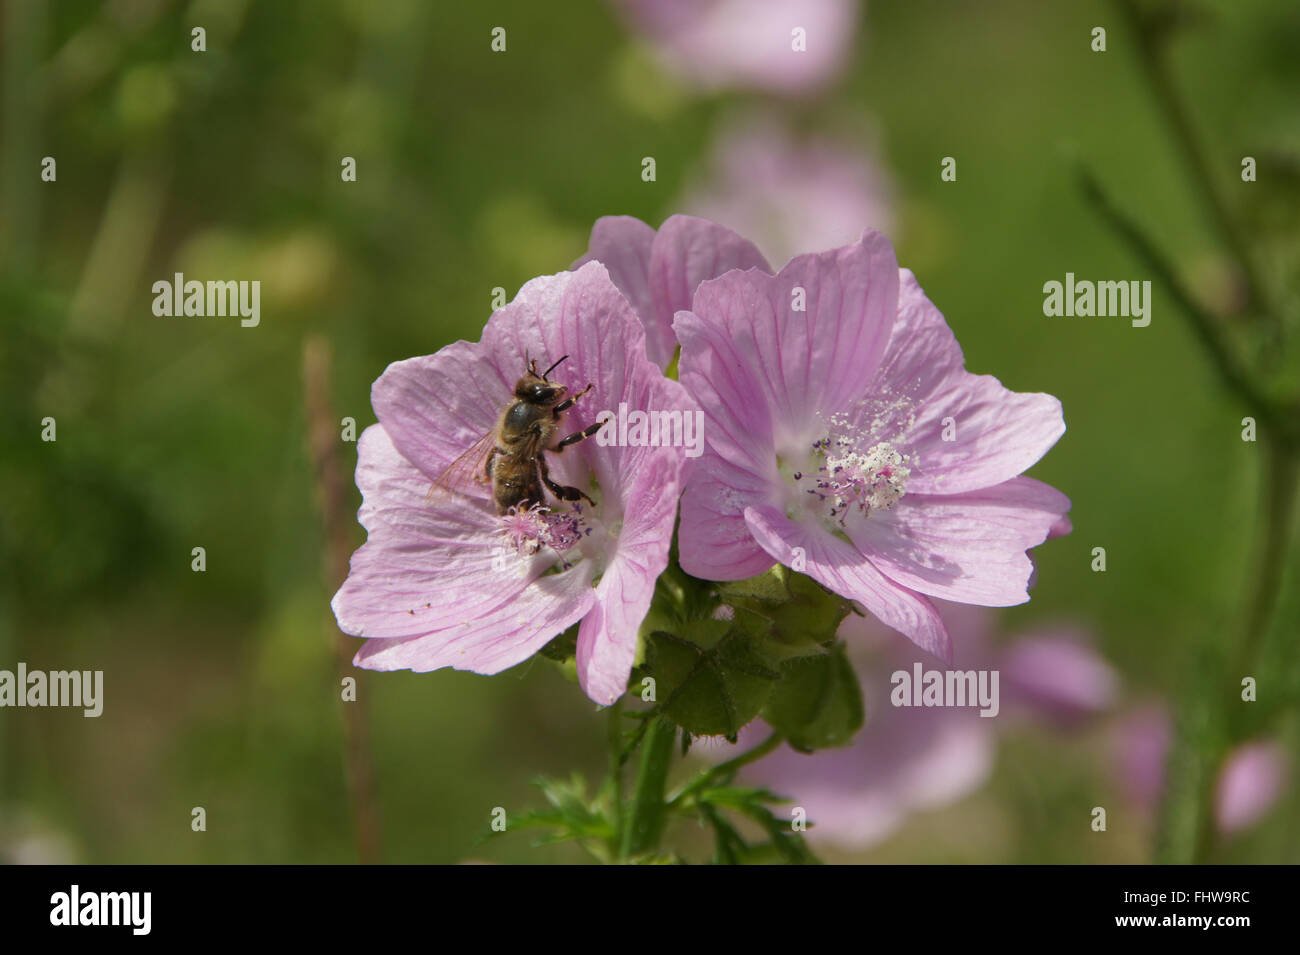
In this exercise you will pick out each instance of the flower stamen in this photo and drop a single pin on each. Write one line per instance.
(527, 530)
(846, 479)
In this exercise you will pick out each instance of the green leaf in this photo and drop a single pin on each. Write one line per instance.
(789, 615)
(817, 703)
(811, 613)
(713, 691)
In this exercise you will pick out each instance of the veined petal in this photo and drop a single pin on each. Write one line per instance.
(622, 244)
(810, 337)
(838, 566)
(607, 639)
(964, 547)
(994, 434)
(496, 641)
(422, 562)
(658, 272)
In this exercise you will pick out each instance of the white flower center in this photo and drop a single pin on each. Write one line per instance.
(842, 479)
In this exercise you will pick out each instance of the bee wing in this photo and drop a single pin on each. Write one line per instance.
(466, 474)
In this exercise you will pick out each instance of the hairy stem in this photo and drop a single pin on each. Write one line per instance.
(723, 772)
(643, 828)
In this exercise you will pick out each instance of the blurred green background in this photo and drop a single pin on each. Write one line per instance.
(478, 170)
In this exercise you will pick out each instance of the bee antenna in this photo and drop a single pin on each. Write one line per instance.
(552, 368)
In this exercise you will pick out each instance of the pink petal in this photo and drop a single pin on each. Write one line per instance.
(1142, 741)
(424, 587)
(582, 314)
(435, 406)
(965, 547)
(998, 433)
(1059, 676)
(838, 566)
(806, 363)
(1249, 785)
(622, 244)
(658, 272)
(714, 541)
(607, 640)
(495, 641)
(738, 468)
(739, 43)
(689, 251)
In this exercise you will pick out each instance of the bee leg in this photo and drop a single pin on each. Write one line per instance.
(560, 491)
(569, 402)
(577, 436)
(487, 465)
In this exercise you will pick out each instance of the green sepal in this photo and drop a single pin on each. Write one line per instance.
(709, 691)
(818, 702)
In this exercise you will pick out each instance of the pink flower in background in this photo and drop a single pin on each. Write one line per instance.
(721, 44)
(911, 759)
(845, 439)
(437, 583)
(1250, 782)
(790, 193)
(658, 272)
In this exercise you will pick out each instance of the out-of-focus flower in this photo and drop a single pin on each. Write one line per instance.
(846, 440)
(438, 582)
(727, 44)
(909, 759)
(658, 272)
(790, 194)
(1250, 782)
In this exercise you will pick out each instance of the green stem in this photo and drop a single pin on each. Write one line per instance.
(1233, 372)
(725, 771)
(1151, 59)
(614, 740)
(643, 828)
(1280, 480)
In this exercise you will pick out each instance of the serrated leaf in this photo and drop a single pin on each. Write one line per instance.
(818, 702)
(710, 692)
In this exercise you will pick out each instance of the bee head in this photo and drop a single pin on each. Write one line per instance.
(538, 390)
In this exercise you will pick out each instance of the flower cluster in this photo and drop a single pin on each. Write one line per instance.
(844, 439)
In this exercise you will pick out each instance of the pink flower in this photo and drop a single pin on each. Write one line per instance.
(447, 581)
(790, 194)
(912, 759)
(1250, 781)
(658, 272)
(720, 44)
(845, 439)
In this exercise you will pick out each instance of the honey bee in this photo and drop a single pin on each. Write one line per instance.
(511, 457)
